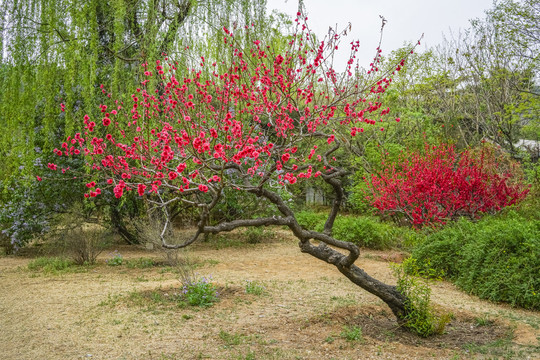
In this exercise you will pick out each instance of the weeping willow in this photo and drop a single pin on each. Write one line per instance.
(55, 54)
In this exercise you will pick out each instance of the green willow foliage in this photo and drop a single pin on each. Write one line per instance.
(59, 52)
(54, 57)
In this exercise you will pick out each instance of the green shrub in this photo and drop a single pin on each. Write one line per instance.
(116, 259)
(199, 293)
(497, 258)
(421, 317)
(411, 238)
(255, 235)
(364, 231)
(441, 250)
(357, 201)
(311, 220)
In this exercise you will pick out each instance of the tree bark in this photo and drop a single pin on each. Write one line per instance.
(120, 227)
(387, 293)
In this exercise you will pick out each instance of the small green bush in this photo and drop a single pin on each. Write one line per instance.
(421, 317)
(199, 293)
(255, 235)
(116, 259)
(497, 258)
(311, 220)
(441, 250)
(364, 231)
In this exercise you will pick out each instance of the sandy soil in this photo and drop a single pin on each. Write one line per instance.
(107, 312)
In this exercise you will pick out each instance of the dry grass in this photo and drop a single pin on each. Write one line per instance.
(114, 312)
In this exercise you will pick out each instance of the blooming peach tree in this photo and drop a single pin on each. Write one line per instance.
(256, 121)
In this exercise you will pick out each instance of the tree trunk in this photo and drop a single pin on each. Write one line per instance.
(387, 293)
(344, 263)
(120, 227)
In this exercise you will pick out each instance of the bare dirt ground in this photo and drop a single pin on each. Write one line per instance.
(118, 312)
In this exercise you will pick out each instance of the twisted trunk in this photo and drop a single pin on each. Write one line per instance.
(341, 254)
(387, 293)
(343, 262)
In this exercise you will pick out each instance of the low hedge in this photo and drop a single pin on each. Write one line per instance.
(497, 258)
(364, 231)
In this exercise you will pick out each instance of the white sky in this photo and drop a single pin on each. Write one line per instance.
(407, 20)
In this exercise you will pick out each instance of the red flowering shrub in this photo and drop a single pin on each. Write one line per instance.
(442, 185)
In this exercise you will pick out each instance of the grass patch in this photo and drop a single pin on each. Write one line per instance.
(54, 265)
(111, 300)
(501, 349)
(255, 288)
(344, 300)
(352, 333)
(230, 339)
(219, 242)
(234, 339)
(483, 321)
(153, 300)
(200, 294)
(140, 263)
(330, 339)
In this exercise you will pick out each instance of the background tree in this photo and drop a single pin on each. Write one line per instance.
(492, 73)
(55, 55)
(478, 85)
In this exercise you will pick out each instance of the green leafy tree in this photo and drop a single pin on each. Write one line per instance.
(56, 54)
